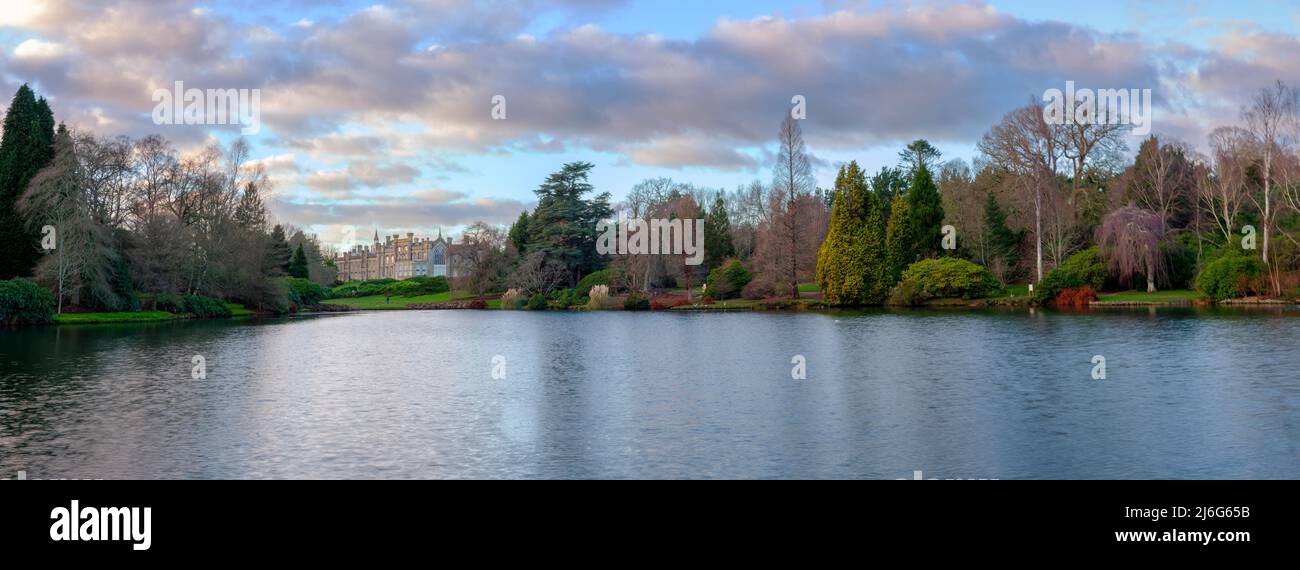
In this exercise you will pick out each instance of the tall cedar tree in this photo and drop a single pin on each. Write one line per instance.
(717, 236)
(298, 267)
(26, 148)
(900, 242)
(563, 226)
(887, 184)
(926, 211)
(850, 260)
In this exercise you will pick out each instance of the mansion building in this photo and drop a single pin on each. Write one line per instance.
(397, 258)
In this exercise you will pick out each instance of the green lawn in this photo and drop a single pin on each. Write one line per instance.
(809, 288)
(1172, 296)
(238, 310)
(119, 317)
(381, 302)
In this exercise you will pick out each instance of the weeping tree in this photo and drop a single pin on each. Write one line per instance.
(1131, 240)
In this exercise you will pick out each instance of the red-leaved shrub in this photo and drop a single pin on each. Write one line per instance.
(667, 302)
(1075, 297)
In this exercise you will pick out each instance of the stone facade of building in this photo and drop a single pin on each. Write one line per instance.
(397, 257)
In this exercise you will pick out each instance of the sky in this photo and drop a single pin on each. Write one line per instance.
(379, 116)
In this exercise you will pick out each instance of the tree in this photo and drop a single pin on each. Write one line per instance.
(563, 225)
(81, 267)
(1224, 191)
(26, 147)
(1161, 181)
(1271, 112)
(1002, 243)
(925, 210)
(900, 242)
(279, 254)
(791, 181)
(850, 260)
(717, 235)
(886, 184)
(482, 259)
(298, 267)
(1024, 145)
(1130, 240)
(519, 232)
(920, 153)
(1093, 140)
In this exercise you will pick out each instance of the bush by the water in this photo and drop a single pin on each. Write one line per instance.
(1072, 297)
(949, 277)
(1232, 274)
(613, 277)
(514, 299)
(908, 293)
(304, 292)
(1083, 269)
(636, 302)
(726, 281)
(537, 302)
(23, 302)
(565, 298)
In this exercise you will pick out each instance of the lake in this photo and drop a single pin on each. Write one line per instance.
(1188, 393)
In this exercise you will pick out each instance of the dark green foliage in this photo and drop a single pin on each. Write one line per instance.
(126, 296)
(636, 302)
(919, 153)
(1003, 243)
(1233, 273)
(925, 207)
(537, 302)
(614, 277)
(361, 288)
(565, 298)
(728, 280)
(717, 236)
(205, 307)
(305, 292)
(298, 267)
(886, 185)
(27, 146)
(25, 303)
(278, 253)
(416, 286)
(908, 293)
(900, 242)
(519, 232)
(948, 277)
(563, 225)
(1083, 269)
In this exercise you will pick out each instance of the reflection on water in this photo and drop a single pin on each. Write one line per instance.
(1190, 393)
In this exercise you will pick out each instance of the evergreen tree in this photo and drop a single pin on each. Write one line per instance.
(26, 147)
(564, 223)
(900, 242)
(849, 262)
(887, 184)
(926, 212)
(717, 235)
(919, 153)
(1003, 243)
(298, 267)
(519, 232)
(279, 254)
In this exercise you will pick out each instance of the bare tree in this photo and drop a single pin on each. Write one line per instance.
(1224, 189)
(1097, 139)
(1024, 144)
(1270, 117)
(482, 259)
(792, 180)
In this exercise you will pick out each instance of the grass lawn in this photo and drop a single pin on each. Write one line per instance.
(809, 288)
(1015, 290)
(120, 317)
(1173, 296)
(238, 310)
(381, 302)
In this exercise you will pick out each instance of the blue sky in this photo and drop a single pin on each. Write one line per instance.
(377, 115)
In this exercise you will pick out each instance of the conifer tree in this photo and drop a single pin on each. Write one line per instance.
(900, 242)
(26, 147)
(298, 267)
(717, 235)
(850, 260)
(926, 212)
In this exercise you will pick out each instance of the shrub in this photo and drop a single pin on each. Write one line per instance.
(1075, 297)
(1231, 275)
(537, 302)
(478, 304)
(566, 298)
(514, 299)
(304, 292)
(599, 298)
(614, 277)
(1083, 269)
(205, 307)
(170, 302)
(727, 280)
(23, 302)
(362, 288)
(908, 293)
(952, 277)
(636, 302)
(760, 289)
